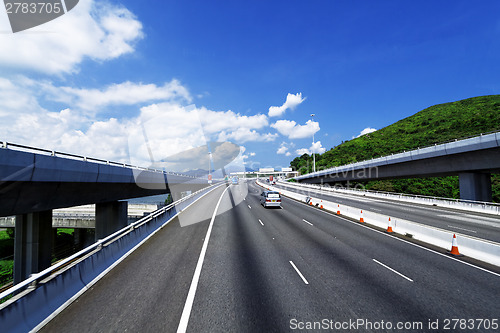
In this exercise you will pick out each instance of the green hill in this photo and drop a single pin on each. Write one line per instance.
(436, 124)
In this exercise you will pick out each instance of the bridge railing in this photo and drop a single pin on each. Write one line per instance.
(407, 155)
(100, 245)
(9, 145)
(469, 205)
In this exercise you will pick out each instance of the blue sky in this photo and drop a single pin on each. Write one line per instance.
(110, 77)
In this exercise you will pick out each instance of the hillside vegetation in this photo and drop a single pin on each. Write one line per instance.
(436, 124)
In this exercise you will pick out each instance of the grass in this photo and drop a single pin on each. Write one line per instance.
(6, 271)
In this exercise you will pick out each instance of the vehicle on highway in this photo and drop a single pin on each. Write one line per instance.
(270, 199)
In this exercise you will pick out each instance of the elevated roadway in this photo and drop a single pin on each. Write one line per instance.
(34, 182)
(276, 270)
(473, 160)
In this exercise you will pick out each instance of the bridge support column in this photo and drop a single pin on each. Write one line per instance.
(475, 186)
(32, 244)
(83, 238)
(110, 217)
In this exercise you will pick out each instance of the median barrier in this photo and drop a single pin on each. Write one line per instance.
(473, 247)
(480, 207)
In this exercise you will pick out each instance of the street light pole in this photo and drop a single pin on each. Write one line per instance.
(209, 167)
(314, 156)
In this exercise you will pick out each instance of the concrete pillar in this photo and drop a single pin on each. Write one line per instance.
(475, 186)
(110, 217)
(32, 244)
(83, 237)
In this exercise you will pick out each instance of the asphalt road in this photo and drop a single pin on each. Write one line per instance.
(484, 226)
(279, 270)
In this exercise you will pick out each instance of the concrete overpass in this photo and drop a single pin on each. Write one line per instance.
(473, 160)
(35, 181)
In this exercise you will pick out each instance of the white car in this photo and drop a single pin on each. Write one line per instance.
(270, 199)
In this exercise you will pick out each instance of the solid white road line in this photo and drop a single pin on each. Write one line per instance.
(261, 222)
(197, 272)
(106, 271)
(298, 272)
(450, 226)
(307, 222)
(393, 270)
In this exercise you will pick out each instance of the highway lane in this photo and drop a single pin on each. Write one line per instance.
(270, 269)
(248, 284)
(145, 292)
(474, 224)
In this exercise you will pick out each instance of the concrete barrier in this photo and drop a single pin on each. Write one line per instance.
(479, 249)
(479, 207)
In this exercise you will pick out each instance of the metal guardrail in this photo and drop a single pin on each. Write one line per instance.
(8, 145)
(98, 246)
(479, 206)
(403, 195)
(377, 159)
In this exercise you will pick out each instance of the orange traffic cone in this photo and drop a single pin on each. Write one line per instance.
(338, 209)
(389, 228)
(321, 206)
(454, 247)
(361, 219)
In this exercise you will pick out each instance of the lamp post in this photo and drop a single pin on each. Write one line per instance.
(314, 157)
(209, 175)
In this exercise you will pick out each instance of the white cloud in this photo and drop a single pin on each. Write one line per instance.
(366, 131)
(283, 149)
(102, 32)
(126, 93)
(242, 135)
(164, 129)
(291, 103)
(302, 151)
(16, 96)
(217, 121)
(290, 128)
(222, 154)
(91, 30)
(316, 148)
(167, 128)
